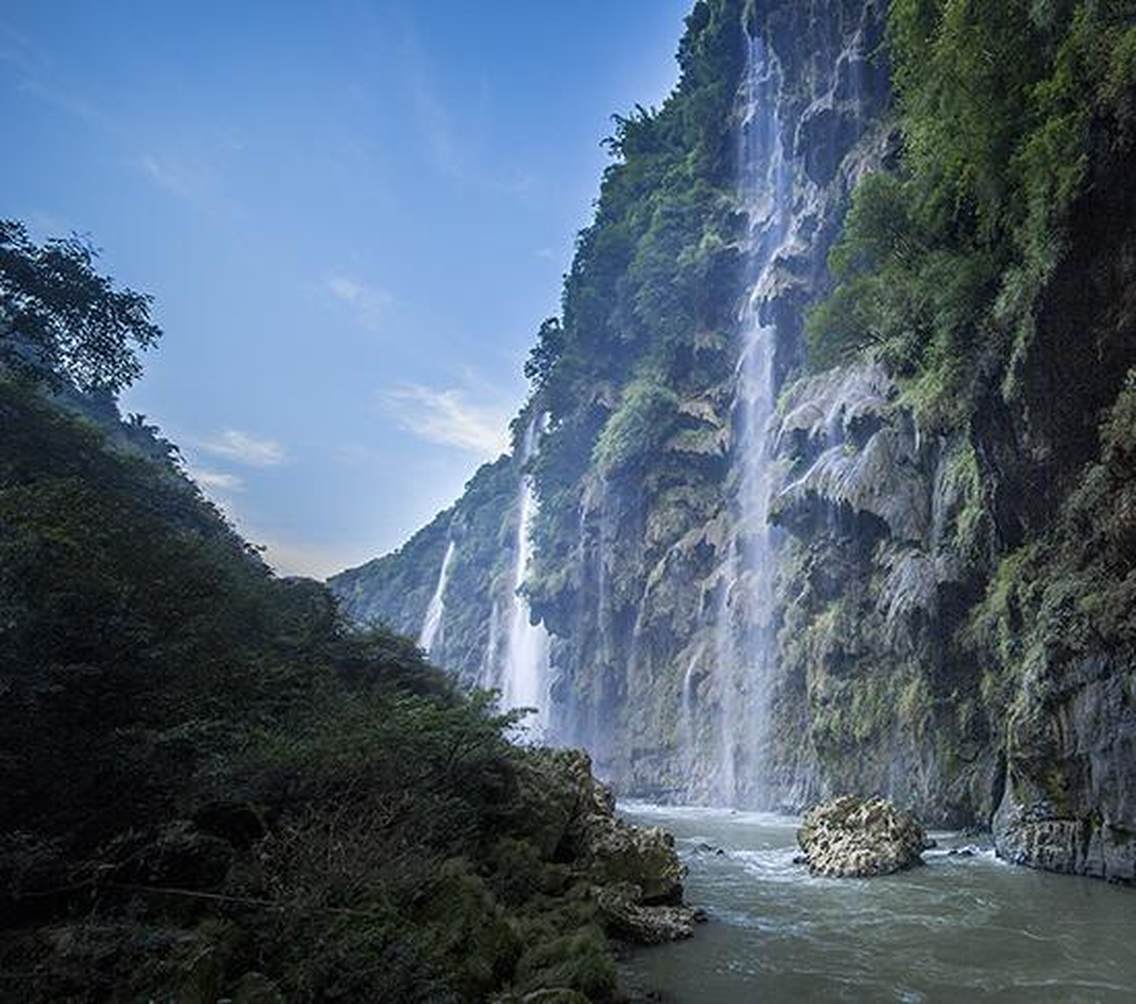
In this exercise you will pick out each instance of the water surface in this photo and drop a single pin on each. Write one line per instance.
(960, 929)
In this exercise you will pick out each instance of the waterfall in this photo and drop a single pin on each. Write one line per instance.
(487, 674)
(746, 637)
(525, 676)
(687, 722)
(432, 625)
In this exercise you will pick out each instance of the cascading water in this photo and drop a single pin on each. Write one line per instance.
(432, 625)
(487, 674)
(745, 631)
(525, 674)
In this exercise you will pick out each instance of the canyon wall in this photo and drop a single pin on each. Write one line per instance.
(765, 576)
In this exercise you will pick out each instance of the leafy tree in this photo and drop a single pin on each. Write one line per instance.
(545, 354)
(60, 320)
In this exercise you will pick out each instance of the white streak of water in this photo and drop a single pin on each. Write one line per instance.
(525, 677)
(432, 625)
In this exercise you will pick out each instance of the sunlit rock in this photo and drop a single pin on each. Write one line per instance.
(851, 837)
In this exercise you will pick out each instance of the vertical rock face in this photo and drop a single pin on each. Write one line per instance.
(479, 533)
(659, 619)
(656, 578)
(766, 587)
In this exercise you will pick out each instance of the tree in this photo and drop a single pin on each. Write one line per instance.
(61, 321)
(546, 352)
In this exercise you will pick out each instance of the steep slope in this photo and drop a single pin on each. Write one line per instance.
(211, 788)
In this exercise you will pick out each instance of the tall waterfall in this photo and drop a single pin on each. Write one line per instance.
(745, 632)
(525, 676)
(432, 625)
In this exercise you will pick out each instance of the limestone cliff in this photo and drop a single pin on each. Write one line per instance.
(768, 575)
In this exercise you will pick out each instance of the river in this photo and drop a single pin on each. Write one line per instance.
(960, 929)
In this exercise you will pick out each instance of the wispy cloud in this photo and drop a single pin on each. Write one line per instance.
(216, 480)
(244, 448)
(194, 178)
(369, 302)
(447, 417)
(456, 130)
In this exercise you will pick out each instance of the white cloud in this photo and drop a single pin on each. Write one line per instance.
(369, 302)
(194, 181)
(445, 416)
(216, 480)
(244, 448)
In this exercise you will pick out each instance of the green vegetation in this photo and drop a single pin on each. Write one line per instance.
(942, 268)
(210, 786)
(62, 321)
(643, 420)
(649, 298)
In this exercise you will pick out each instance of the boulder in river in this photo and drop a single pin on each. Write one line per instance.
(625, 916)
(851, 837)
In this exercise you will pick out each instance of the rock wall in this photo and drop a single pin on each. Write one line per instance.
(952, 617)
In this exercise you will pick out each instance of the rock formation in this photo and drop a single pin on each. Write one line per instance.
(850, 837)
(932, 595)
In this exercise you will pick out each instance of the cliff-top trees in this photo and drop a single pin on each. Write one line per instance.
(62, 320)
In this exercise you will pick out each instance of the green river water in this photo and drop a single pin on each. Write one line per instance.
(960, 929)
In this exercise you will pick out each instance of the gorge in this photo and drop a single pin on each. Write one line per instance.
(799, 612)
(821, 436)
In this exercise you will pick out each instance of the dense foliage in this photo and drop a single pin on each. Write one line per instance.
(942, 267)
(211, 787)
(61, 320)
(647, 305)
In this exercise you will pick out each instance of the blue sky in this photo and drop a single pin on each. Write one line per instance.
(353, 217)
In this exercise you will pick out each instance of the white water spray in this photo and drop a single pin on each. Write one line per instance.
(432, 625)
(745, 643)
(525, 677)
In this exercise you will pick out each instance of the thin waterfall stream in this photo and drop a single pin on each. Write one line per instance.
(431, 632)
(745, 632)
(525, 673)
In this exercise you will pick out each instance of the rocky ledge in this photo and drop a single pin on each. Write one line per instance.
(633, 874)
(851, 837)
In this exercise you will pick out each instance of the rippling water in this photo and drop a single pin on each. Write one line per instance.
(960, 929)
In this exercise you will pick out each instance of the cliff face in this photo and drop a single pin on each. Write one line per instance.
(397, 589)
(765, 582)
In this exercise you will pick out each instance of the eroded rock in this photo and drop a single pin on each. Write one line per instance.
(625, 916)
(850, 837)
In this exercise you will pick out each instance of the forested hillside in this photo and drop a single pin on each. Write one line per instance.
(211, 787)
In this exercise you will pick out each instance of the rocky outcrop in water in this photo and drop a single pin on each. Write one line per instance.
(851, 837)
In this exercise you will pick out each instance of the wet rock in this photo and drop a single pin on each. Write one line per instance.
(1067, 802)
(850, 837)
(576, 814)
(625, 915)
(969, 851)
(643, 856)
